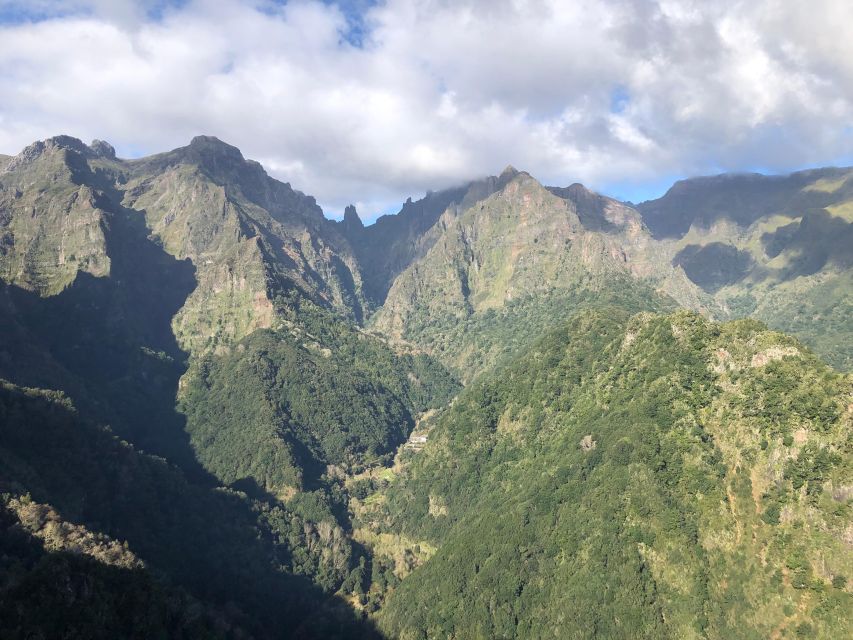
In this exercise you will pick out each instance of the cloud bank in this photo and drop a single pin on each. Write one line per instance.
(371, 102)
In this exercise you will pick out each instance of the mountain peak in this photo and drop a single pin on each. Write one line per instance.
(579, 190)
(584, 198)
(591, 207)
(66, 142)
(213, 147)
(352, 220)
(103, 149)
(509, 172)
(219, 159)
(36, 149)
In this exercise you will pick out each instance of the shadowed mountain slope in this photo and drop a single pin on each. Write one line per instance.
(129, 284)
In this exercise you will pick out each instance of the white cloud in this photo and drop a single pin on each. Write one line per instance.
(441, 91)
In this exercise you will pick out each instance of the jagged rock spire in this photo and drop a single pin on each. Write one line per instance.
(352, 221)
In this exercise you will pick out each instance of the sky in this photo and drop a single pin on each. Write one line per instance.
(369, 102)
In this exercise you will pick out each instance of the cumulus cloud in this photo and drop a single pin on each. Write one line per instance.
(371, 102)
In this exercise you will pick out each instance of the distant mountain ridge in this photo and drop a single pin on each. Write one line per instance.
(743, 198)
(531, 247)
(393, 242)
(779, 248)
(727, 245)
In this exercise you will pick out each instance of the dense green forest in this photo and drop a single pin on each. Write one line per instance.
(654, 476)
(249, 564)
(484, 341)
(285, 404)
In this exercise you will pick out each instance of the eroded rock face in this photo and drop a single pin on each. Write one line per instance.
(249, 237)
(524, 244)
(103, 149)
(34, 151)
(52, 224)
(352, 222)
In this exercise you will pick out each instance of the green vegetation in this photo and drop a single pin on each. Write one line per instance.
(607, 472)
(817, 309)
(610, 483)
(489, 339)
(515, 264)
(218, 545)
(48, 591)
(774, 248)
(285, 404)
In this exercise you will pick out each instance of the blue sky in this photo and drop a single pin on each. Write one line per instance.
(370, 101)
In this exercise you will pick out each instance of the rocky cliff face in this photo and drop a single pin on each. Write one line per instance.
(52, 224)
(774, 247)
(125, 283)
(727, 246)
(523, 245)
(249, 237)
(386, 248)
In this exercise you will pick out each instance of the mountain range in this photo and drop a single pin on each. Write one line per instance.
(509, 410)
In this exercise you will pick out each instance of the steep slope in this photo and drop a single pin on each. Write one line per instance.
(393, 242)
(742, 198)
(117, 271)
(660, 476)
(656, 477)
(57, 575)
(249, 236)
(87, 297)
(128, 536)
(51, 225)
(774, 247)
(285, 404)
(519, 261)
(149, 292)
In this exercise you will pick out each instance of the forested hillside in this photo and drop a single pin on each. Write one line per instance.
(109, 542)
(651, 476)
(286, 404)
(207, 314)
